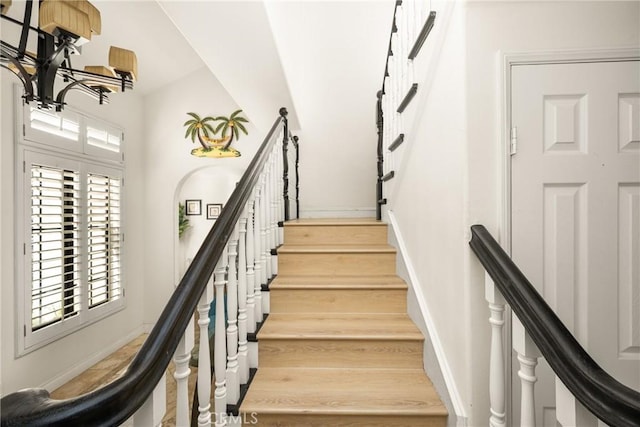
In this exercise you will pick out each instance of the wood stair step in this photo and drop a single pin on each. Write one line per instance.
(336, 260)
(339, 249)
(339, 282)
(312, 294)
(340, 340)
(340, 326)
(327, 231)
(341, 397)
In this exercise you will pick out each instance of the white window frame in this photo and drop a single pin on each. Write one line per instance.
(35, 146)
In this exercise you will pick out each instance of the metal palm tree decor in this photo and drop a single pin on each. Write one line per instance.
(202, 129)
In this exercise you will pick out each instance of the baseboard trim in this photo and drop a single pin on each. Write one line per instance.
(454, 395)
(67, 376)
(339, 213)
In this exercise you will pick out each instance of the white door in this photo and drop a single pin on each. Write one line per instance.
(576, 207)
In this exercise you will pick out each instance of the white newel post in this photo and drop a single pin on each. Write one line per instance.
(570, 412)
(251, 277)
(243, 363)
(233, 372)
(153, 410)
(220, 349)
(497, 396)
(204, 358)
(181, 359)
(528, 355)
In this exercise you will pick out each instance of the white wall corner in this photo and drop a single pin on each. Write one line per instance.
(440, 372)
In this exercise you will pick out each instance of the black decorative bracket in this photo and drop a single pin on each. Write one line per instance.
(424, 33)
(397, 142)
(408, 97)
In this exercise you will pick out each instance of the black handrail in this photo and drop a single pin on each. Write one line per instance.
(117, 401)
(609, 400)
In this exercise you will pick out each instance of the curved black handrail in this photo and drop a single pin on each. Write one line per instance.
(117, 401)
(608, 399)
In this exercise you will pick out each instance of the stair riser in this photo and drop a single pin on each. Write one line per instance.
(314, 420)
(328, 235)
(328, 264)
(303, 353)
(338, 301)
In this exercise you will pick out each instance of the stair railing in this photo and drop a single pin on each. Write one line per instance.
(236, 260)
(410, 27)
(538, 332)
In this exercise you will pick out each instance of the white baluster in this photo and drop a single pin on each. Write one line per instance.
(220, 349)
(181, 374)
(233, 373)
(274, 214)
(204, 358)
(265, 234)
(496, 365)
(153, 410)
(259, 254)
(242, 300)
(251, 287)
(267, 274)
(280, 190)
(275, 233)
(528, 357)
(570, 412)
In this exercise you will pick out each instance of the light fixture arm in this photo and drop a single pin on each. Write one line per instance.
(49, 69)
(24, 35)
(24, 77)
(57, 39)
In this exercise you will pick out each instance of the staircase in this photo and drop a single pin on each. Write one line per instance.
(338, 348)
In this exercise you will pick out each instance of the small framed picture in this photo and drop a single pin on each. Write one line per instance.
(193, 207)
(213, 210)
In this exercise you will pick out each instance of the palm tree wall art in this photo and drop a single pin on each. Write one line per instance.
(203, 129)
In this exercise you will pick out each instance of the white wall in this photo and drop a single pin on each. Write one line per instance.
(168, 164)
(55, 363)
(333, 54)
(451, 173)
(197, 186)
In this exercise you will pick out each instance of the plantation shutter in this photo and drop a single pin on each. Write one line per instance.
(104, 238)
(65, 126)
(55, 245)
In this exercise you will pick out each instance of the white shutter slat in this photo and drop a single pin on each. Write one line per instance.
(103, 195)
(55, 244)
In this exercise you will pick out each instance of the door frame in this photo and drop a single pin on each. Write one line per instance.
(506, 62)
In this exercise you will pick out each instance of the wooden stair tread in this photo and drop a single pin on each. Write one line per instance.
(338, 282)
(327, 249)
(340, 326)
(343, 391)
(334, 222)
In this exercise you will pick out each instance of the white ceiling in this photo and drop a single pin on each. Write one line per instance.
(250, 46)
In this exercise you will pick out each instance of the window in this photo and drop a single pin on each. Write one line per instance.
(55, 245)
(70, 215)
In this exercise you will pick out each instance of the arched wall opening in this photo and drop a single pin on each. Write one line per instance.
(208, 185)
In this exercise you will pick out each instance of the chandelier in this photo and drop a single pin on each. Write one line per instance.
(63, 27)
